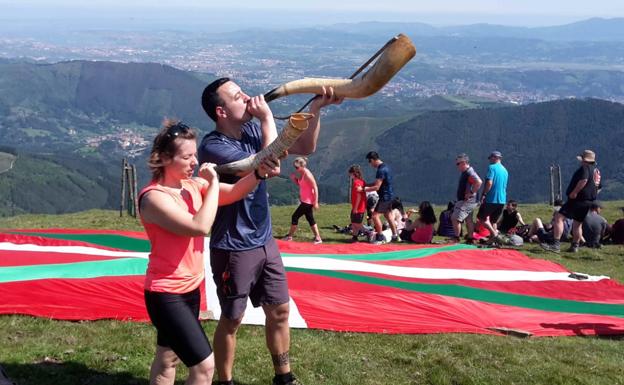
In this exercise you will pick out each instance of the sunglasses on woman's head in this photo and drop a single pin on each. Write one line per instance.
(176, 130)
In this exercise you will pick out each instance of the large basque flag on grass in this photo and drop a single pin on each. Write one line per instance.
(96, 274)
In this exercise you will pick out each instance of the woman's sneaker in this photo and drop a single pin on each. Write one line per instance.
(287, 238)
(317, 241)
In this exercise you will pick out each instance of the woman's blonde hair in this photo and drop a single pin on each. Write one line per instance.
(165, 146)
(300, 161)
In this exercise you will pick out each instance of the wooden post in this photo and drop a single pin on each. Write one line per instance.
(130, 200)
(135, 202)
(122, 204)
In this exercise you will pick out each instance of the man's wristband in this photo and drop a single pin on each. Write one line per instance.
(257, 175)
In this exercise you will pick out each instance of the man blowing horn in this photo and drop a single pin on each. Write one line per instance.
(244, 257)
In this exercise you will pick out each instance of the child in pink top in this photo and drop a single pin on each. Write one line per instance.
(308, 197)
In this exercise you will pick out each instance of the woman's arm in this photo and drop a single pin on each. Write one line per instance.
(312, 180)
(159, 208)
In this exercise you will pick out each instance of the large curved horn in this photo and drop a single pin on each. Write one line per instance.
(394, 57)
(297, 124)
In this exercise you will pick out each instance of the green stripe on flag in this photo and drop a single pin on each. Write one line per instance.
(108, 240)
(91, 269)
(390, 255)
(501, 298)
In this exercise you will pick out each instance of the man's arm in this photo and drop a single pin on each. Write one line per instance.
(306, 144)
(373, 186)
(487, 186)
(474, 187)
(258, 108)
(579, 186)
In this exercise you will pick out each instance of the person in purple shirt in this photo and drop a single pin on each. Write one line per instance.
(244, 257)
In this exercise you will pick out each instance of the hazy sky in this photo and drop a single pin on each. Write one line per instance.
(440, 12)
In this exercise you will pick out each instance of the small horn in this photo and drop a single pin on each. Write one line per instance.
(394, 57)
(297, 124)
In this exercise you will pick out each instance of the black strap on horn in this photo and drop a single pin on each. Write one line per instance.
(356, 73)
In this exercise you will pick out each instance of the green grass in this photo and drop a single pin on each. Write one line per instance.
(40, 351)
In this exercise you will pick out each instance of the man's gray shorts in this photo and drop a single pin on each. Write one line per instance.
(383, 207)
(257, 274)
(463, 210)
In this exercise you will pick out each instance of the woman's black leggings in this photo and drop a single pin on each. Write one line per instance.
(304, 209)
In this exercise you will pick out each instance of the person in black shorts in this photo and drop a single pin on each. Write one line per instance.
(582, 192)
(177, 211)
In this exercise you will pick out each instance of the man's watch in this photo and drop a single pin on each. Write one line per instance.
(257, 175)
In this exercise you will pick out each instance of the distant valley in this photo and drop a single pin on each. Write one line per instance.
(540, 95)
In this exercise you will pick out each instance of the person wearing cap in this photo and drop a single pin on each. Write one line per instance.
(494, 194)
(469, 184)
(594, 226)
(582, 192)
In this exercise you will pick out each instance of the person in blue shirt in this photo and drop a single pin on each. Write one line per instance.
(494, 196)
(244, 257)
(383, 186)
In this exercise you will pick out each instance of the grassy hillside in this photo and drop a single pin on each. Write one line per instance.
(421, 151)
(6, 161)
(45, 352)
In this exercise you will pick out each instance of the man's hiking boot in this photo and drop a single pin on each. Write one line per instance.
(574, 248)
(554, 247)
(286, 379)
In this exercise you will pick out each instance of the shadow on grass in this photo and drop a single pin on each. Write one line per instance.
(600, 330)
(48, 373)
(71, 373)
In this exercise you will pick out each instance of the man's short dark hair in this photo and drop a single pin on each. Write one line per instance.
(372, 155)
(210, 98)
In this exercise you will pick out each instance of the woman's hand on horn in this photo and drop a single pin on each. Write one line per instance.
(325, 99)
(258, 108)
(207, 171)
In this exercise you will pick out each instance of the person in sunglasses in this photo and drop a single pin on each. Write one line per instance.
(246, 263)
(469, 184)
(177, 210)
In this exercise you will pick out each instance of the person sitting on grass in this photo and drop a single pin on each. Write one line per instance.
(510, 218)
(445, 224)
(616, 232)
(421, 229)
(594, 226)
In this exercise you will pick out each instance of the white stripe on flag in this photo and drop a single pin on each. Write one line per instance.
(72, 250)
(320, 263)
